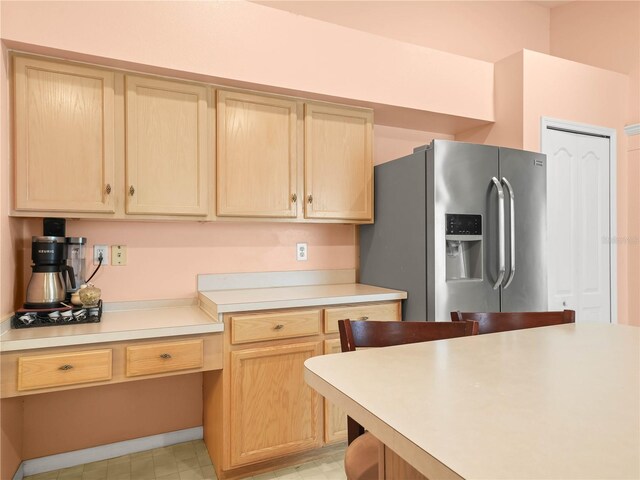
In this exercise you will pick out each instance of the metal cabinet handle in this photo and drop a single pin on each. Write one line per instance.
(165, 355)
(294, 198)
(512, 229)
(66, 367)
(107, 189)
(501, 266)
(363, 318)
(132, 190)
(310, 199)
(278, 327)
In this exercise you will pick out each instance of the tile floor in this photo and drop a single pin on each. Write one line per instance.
(185, 461)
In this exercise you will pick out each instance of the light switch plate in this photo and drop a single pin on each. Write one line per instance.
(118, 255)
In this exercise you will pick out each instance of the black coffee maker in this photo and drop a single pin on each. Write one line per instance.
(47, 286)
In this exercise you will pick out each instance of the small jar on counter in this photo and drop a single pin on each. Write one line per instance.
(89, 295)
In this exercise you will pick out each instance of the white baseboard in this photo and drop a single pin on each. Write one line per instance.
(103, 452)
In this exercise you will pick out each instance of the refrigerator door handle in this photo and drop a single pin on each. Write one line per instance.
(501, 266)
(512, 230)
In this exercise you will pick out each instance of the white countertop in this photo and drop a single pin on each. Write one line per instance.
(243, 300)
(559, 402)
(120, 325)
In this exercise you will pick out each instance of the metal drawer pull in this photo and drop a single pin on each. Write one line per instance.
(294, 198)
(165, 355)
(310, 199)
(364, 318)
(66, 367)
(132, 190)
(278, 327)
(108, 188)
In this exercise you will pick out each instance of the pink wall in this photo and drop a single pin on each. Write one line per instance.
(163, 258)
(11, 437)
(87, 417)
(633, 229)
(507, 129)
(264, 46)
(392, 142)
(603, 34)
(486, 30)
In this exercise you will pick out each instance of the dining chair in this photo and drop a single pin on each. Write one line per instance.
(362, 454)
(492, 322)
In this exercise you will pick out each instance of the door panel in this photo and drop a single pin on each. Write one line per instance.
(526, 173)
(338, 139)
(273, 411)
(64, 137)
(579, 231)
(167, 160)
(257, 155)
(459, 182)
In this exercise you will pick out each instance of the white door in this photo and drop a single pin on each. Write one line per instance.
(578, 174)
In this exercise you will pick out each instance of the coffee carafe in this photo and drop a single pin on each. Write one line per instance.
(75, 259)
(47, 287)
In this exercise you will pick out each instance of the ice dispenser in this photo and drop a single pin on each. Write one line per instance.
(463, 239)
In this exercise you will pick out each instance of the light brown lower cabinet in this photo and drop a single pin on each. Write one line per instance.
(335, 420)
(272, 412)
(259, 413)
(27, 372)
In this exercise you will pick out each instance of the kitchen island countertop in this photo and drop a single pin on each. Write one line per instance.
(554, 402)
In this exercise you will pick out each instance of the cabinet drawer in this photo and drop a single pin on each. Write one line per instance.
(164, 357)
(63, 369)
(270, 326)
(383, 312)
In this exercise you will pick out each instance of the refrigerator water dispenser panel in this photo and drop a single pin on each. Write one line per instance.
(463, 239)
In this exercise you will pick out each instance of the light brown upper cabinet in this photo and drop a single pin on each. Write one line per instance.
(338, 163)
(64, 137)
(166, 147)
(97, 143)
(257, 155)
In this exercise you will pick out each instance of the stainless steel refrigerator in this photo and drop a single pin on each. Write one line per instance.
(459, 226)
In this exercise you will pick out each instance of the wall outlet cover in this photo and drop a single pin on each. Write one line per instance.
(101, 249)
(302, 251)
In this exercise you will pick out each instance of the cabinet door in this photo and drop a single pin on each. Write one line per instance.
(335, 420)
(166, 159)
(338, 163)
(64, 137)
(273, 411)
(257, 156)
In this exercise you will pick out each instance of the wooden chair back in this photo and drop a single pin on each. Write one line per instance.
(365, 333)
(492, 322)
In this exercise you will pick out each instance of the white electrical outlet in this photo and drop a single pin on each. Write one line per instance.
(301, 251)
(101, 249)
(118, 255)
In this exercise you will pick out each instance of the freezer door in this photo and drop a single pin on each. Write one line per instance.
(524, 178)
(464, 266)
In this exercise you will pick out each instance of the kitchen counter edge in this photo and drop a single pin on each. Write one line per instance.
(255, 299)
(121, 322)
